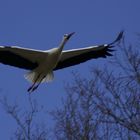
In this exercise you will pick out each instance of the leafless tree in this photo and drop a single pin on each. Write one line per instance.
(27, 127)
(104, 106)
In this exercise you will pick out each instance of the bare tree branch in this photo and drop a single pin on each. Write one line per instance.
(27, 128)
(104, 106)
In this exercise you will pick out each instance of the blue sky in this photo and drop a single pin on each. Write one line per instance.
(40, 24)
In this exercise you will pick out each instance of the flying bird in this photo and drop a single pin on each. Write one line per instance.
(42, 63)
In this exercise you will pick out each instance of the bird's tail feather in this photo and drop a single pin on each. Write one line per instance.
(30, 76)
(49, 77)
(34, 77)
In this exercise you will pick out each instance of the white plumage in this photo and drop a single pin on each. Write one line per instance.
(42, 63)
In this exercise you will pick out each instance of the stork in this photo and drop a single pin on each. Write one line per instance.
(42, 63)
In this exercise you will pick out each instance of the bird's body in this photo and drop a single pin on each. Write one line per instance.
(43, 63)
(44, 71)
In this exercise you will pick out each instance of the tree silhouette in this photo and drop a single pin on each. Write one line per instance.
(106, 105)
(27, 127)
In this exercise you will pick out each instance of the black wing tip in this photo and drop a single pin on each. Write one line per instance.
(108, 50)
(119, 38)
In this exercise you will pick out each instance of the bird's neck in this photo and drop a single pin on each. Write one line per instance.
(62, 44)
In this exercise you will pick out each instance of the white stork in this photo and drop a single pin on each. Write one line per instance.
(42, 63)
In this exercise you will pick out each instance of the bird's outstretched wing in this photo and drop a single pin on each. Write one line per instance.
(20, 57)
(77, 56)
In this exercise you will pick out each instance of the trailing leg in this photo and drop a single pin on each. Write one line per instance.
(30, 89)
(34, 87)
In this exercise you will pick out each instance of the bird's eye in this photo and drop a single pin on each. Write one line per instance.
(65, 35)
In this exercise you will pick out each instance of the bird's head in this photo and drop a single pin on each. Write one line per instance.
(68, 36)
